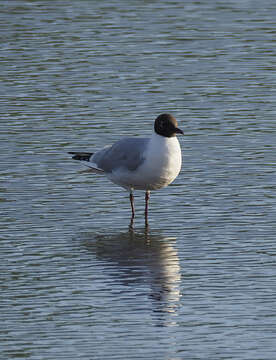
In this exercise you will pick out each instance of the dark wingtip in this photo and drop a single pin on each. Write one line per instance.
(82, 156)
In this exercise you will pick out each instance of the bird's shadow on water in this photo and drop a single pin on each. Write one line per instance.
(137, 260)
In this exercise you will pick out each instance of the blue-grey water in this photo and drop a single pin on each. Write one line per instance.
(75, 283)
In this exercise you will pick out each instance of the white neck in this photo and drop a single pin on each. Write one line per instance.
(159, 139)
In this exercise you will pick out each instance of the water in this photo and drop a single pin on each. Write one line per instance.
(75, 283)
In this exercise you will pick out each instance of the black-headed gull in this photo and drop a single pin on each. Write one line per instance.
(140, 163)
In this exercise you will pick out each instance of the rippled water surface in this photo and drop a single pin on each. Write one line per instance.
(75, 283)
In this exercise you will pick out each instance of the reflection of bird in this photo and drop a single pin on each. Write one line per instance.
(136, 258)
(140, 163)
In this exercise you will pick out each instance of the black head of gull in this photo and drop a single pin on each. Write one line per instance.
(166, 125)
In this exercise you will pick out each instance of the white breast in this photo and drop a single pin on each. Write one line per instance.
(161, 166)
(163, 161)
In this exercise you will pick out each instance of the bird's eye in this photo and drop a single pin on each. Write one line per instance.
(161, 125)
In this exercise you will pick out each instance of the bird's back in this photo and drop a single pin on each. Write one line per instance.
(126, 153)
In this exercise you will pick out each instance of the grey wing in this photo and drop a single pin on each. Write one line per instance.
(127, 153)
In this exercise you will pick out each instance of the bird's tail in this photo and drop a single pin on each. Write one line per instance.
(85, 158)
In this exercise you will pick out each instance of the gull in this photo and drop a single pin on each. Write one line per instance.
(140, 163)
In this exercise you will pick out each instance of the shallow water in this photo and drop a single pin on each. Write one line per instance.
(75, 282)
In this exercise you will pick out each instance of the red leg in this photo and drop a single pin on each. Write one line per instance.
(147, 196)
(131, 198)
